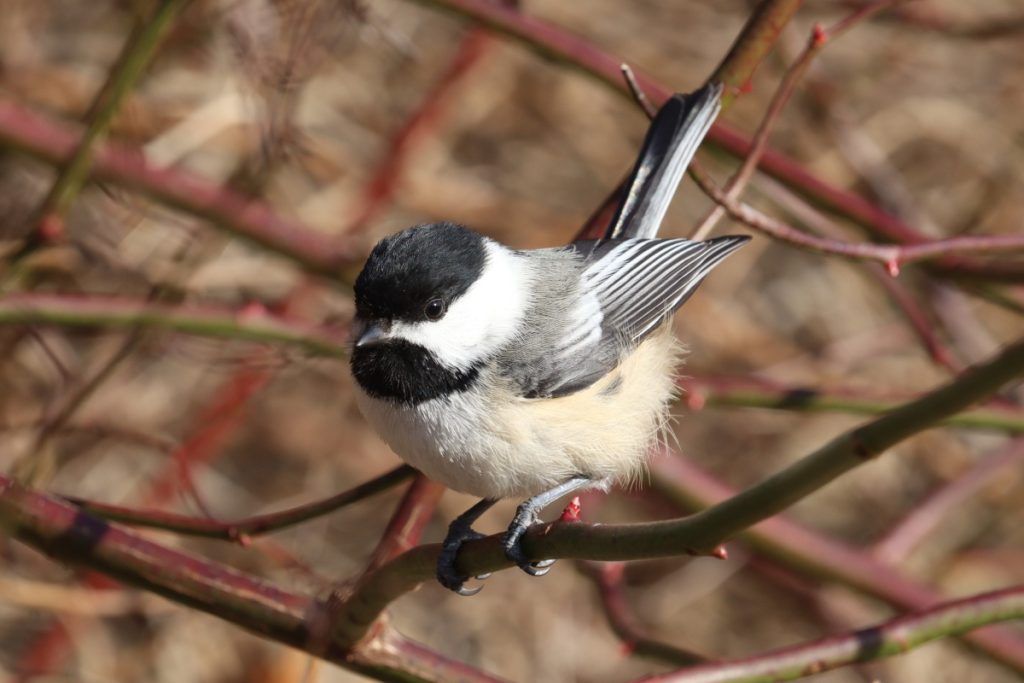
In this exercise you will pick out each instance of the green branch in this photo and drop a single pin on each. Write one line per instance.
(810, 401)
(94, 311)
(136, 54)
(890, 638)
(702, 532)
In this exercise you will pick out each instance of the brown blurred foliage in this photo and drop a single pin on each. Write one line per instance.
(299, 102)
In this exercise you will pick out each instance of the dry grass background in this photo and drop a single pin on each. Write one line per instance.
(297, 102)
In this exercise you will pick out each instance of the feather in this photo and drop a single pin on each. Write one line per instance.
(640, 283)
(672, 140)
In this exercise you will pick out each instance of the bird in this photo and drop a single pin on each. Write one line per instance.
(532, 374)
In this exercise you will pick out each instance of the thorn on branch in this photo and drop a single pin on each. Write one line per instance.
(819, 36)
(572, 511)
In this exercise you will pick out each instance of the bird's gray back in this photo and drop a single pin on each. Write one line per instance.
(545, 360)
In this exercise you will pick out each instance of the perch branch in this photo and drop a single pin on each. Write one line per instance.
(702, 532)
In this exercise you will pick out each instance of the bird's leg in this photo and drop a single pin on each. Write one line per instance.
(528, 513)
(460, 531)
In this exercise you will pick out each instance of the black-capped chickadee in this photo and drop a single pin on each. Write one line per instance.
(503, 373)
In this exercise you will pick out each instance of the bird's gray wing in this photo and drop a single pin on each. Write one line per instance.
(672, 140)
(627, 289)
(639, 283)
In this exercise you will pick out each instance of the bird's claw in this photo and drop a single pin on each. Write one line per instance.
(447, 575)
(512, 543)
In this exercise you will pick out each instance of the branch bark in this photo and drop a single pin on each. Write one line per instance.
(254, 324)
(563, 46)
(241, 529)
(31, 133)
(702, 532)
(884, 640)
(64, 532)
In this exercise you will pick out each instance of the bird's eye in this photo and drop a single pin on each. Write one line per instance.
(434, 309)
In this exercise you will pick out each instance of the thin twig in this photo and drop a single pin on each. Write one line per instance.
(746, 392)
(38, 463)
(638, 92)
(884, 640)
(135, 56)
(253, 323)
(893, 256)
(242, 529)
(608, 578)
(817, 41)
(926, 517)
(33, 134)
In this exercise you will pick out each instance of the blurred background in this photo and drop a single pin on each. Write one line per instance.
(362, 117)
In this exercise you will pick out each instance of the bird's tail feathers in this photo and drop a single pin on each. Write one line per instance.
(672, 140)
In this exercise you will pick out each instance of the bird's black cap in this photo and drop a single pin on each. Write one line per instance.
(406, 270)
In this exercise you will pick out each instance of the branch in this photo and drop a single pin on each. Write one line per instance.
(253, 323)
(884, 640)
(750, 393)
(926, 516)
(135, 56)
(33, 134)
(608, 578)
(64, 532)
(242, 529)
(814, 555)
(702, 532)
(409, 519)
(560, 45)
(819, 38)
(891, 255)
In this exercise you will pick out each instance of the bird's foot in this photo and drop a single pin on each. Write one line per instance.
(447, 575)
(526, 516)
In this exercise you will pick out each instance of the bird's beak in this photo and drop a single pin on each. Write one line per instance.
(371, 333)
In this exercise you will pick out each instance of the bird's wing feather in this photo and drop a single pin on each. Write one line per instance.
(639, 283)
(629, 287)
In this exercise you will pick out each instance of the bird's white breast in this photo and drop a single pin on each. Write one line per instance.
(490, 443)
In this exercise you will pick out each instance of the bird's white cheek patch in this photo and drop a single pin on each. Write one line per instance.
(481, 320)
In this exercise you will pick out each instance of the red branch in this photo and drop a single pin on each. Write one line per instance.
(817, 555)
(242, 529)
(408, 522)
(68, 534)
(384, 181)
(567, 47)
(251, 219)
(889, 638)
